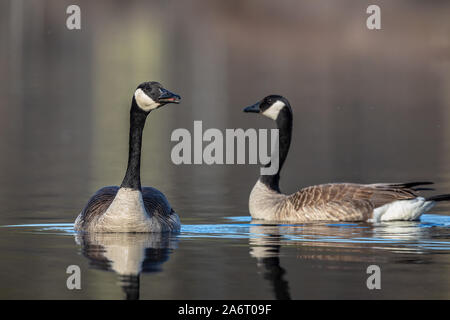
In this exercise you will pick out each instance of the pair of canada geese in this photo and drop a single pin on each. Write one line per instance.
(132, 208)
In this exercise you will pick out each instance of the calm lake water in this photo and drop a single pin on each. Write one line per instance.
(369, 106)
(233, 258)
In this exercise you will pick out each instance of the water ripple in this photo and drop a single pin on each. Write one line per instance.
(432, 232)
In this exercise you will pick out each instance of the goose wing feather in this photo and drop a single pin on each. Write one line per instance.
(96, 206)
(158, 206)
(345, 201)
(156, 202)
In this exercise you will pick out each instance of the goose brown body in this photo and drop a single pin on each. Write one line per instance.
(326, 202)
(345, 201)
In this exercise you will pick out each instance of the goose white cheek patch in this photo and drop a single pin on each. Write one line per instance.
(273, 111)
(144, 101)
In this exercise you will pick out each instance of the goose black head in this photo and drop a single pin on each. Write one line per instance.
(271, 106)
(152, 95)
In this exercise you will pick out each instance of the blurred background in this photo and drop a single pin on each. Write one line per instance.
(369, 106)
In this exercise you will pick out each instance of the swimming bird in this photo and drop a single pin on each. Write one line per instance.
(131, 208)
(333, 201)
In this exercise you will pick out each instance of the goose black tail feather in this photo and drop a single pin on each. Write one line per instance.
(441, 197)
(413, 184)
(422, 189)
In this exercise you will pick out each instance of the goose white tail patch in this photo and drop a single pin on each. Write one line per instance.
(144, 101)
(273, 111)
(406, 210)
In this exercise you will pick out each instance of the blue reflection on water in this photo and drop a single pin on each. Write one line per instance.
(431, 232)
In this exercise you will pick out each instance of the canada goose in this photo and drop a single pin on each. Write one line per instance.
(130, 208)
(334, 201)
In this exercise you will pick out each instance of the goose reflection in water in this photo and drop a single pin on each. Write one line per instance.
(127, 254)
(360, 243)
(266, 249)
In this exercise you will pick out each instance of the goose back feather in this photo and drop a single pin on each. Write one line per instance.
(344, 201)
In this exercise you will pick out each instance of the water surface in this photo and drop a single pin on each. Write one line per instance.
(238, 257)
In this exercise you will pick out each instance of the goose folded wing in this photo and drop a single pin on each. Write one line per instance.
(346, 201)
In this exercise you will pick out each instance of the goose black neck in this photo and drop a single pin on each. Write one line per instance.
(132, 177)
(284, 125)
